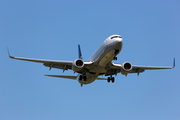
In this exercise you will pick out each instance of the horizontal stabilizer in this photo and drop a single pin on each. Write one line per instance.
(71, 77)
(101, 79)
(63, 76)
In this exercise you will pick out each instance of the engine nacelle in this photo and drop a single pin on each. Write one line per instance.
(78, 65)
(126, 68)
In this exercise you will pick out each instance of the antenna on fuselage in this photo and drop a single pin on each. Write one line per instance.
(79, 51)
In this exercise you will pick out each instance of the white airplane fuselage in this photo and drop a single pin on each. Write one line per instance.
(101, 58)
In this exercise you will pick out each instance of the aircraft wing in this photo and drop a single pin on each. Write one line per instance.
(48, 63)
(65, 65)
(116, 68)
(135, 67)
(42, 60)
(139, 69)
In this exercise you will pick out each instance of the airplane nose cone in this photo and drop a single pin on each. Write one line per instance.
(118, 43)
(119, 39)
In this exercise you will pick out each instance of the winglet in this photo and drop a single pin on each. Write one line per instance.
(9, 54)
(173, 63)
(79, 51)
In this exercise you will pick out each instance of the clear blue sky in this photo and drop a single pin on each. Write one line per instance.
(52, 30)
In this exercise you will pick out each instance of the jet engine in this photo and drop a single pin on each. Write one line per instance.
(126, 68)
(78, 64)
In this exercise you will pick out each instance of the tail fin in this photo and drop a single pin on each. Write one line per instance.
(79, 50)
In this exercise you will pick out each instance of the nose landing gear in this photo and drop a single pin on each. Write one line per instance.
(82, 77)
(115, 58)
(116, 51)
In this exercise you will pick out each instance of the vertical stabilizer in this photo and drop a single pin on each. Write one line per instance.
(79, 51)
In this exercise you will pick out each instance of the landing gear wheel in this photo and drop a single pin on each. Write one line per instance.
(84, 78)
(112, 79)
(80, 77)
(108, 80)
(115, 58)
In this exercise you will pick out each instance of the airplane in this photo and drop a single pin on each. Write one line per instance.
(99, 64)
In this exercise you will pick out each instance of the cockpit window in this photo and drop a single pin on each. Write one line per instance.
(116, 37)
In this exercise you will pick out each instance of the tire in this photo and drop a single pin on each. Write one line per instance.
(80, 77)
(108, 80)
(84, 78)
(113, 79)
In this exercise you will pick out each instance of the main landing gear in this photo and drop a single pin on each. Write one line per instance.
(82, 77)
(110, 79)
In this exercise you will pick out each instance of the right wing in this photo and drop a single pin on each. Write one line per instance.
(64, 65)
(48, 63)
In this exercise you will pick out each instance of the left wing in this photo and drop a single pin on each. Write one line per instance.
(116, 68)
